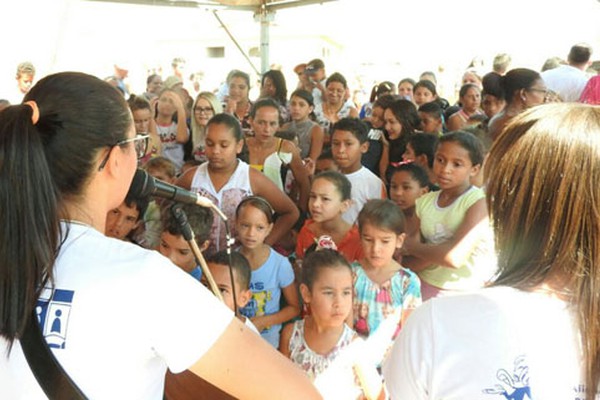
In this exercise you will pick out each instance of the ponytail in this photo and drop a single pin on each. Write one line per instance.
(29, 211)
(43, 165)
(373, 95)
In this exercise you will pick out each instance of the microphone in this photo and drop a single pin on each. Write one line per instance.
(144, 185)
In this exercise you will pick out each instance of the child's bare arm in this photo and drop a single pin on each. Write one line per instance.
(316, 142)
(291, 309)
(284, 207)
(284, 341)
(453, 252)
(300, 175)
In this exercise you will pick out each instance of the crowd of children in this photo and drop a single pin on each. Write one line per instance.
(383, 258)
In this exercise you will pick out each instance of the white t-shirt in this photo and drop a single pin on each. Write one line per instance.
(170, 148)
(118, 316)
(365, 186)
(567, 81)
(497, 343)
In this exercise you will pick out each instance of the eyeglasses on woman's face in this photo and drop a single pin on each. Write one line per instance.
(140, 144)
(205, 110)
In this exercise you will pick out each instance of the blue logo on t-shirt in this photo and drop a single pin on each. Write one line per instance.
(53, 310)
(515, 385)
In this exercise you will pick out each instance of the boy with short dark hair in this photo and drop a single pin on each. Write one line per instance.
(218, 264)
(325, 162)
(122, 221)
(349, 142)
(172, 243)
(432, 121)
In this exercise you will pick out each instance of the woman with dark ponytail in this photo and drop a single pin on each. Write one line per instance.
(114, 315)
(523, 88)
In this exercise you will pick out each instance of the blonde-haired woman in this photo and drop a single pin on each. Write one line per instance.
(205, 107)
(535, 332)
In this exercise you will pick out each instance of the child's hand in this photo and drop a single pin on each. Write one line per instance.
(409, 243)
(309, 165)
(259, 323)
(175, 99)
(231, 105)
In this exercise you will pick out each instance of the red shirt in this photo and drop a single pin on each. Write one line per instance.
(350, 247)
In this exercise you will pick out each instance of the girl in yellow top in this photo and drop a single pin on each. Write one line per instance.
(457, 252)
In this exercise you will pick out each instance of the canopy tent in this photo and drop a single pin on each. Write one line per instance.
(264, 13)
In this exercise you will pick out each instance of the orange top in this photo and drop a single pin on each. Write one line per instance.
(350, 247)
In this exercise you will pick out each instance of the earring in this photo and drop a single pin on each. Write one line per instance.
(306, 309)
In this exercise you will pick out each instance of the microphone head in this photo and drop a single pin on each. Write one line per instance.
(142, 185)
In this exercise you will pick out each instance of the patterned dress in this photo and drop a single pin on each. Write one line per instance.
(374, 303)
(311, 362)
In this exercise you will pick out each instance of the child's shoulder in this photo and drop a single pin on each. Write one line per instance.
(407, 273)
(468, 198)
(277, 259)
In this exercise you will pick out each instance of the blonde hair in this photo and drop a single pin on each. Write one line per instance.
(544, 201)
(199, 132)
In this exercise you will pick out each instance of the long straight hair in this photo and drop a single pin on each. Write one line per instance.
(544, 201)
(42, 165)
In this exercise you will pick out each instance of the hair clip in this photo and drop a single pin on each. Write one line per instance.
(400, 163)
(325, 242)
(35, 116)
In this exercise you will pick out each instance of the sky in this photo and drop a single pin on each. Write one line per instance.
(366, 40)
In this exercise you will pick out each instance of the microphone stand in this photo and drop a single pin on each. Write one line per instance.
(228, 243)
(188, 235)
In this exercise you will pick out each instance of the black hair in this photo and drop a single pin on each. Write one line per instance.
(424, 143)
(417, 172)
(305, 95)
(279, 82)
(239, 263)
(151, 78)
(42, 165)
(427, 85)
(492, 85)
(339, 180)
(325, 155)
(336, 77)
(408, 80)
(317, 260)
(358, 128)
(467, 141)
(517, 79)
(259, 203)
(200, 219)
(382, 213)
(385, 101)
(266, 102)
(229, 121)
(140, 203)
(406, 113)
(579, 54)
(381, 89)
(316, 63)
(432, 108)
(465, 88)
